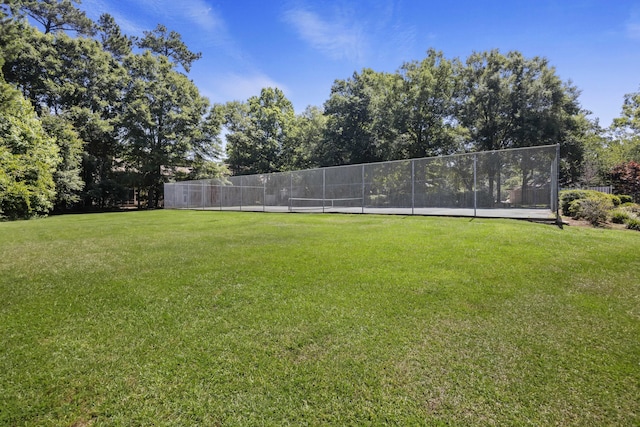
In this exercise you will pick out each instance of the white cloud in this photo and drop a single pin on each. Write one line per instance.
(206, 18)
(633, 25)
(338, 38)
(633, 30)
(128, 26)
(239, 87)
(198, 12)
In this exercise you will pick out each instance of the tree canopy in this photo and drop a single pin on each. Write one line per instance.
(28, 159)
(120, 113)
(56, 15)
(431, 107)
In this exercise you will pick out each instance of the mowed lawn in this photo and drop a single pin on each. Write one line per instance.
(220, 318)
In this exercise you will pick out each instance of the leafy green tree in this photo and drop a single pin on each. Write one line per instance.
(426, 107)
(67, 177)
(8, 8)
(91, 98)
(169, 43)
(161, 118)
(30, 59)
(259, 132)
(625, 130)
(305, 139)
(356, 130)
(241, 134)
(77, 78)
(203, 169)
(274, 116)
(579, 165)
(510, 101)
(56, 15)
(111, 37)
(605, 149)
(28, 159)
(589, 166)
(630, 117)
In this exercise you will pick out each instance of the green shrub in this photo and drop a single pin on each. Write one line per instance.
(625, 199)
(570, 201)
(574, 209)
(620, 216)
(633, 208)
(633, 224)
(595, 210)
(568, 196)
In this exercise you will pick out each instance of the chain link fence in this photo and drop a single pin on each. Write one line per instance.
(516, 183)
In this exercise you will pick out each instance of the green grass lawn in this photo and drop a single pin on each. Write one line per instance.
(220, 318)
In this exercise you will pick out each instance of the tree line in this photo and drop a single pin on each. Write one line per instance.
(433, 107)
(88, 113)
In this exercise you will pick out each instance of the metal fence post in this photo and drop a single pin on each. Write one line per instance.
(362, 188)
(413, 186)
(475, 184)
(555, 203)
(324, 177)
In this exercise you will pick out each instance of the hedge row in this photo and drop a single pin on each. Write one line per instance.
(596, 207)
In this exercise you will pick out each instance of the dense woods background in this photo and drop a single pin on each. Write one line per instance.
(91, 117)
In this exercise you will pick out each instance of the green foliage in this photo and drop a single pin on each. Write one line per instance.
(160, 41)
(136, 133)
(166, 123)
(425, 106)
(259, 133)
(629, 121)
(595, 206)
(568, 197)
(28, 159)
(358, 128)
(67, 177)
(161, 120)
(76, 79)
(111, 37)
(625, 199)
(594, 210)
(203, 169)
(306, 139)
(633, 224)
(619, 216)
(57, 15)
(631, 207)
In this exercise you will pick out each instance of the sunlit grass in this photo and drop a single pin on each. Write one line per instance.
(217, 318)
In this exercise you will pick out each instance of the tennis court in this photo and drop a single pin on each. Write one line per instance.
(517, 183)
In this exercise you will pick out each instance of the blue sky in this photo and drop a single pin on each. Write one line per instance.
(302, 46)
